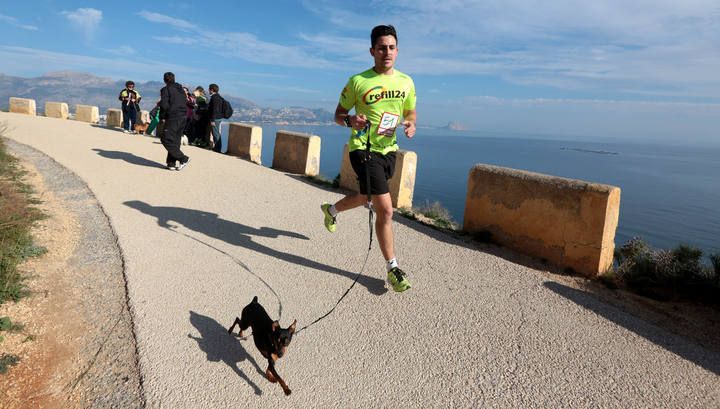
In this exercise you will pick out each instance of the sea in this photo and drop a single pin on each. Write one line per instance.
(670, 191)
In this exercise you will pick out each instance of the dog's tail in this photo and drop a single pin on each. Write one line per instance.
(255, 300)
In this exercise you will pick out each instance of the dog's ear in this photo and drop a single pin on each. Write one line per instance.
(291, 328)
(275, 326)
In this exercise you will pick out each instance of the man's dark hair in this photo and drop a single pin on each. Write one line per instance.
(380, 31)
(169, 77)
(129, 83)
(199, 88)
(214, 88)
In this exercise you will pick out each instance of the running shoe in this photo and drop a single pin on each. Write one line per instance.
(183, 164)
(330, 220)
(398, 279)
(171, 167)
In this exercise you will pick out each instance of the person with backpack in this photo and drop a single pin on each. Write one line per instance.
(218, 108)
(130, 106)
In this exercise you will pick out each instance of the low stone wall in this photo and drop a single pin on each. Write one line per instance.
(114, 118)
(23, 106)
(297, 153)
(245, 141)
(568, 222)
(58, 110)
(402, 184)
(87, 113)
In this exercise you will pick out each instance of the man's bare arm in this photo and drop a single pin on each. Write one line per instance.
(409, 121)
(356, 121)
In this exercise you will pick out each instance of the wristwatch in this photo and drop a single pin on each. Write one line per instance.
(347, 121)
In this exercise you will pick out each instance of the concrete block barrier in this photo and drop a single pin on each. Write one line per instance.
(402, 184)
(568, 222)
(297, 153)
(23, 106)
(245, 141)
(114, 118)
(57, 110)
(87, 113)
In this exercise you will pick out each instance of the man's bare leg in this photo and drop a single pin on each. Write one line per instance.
(383, 224)
(350, 202)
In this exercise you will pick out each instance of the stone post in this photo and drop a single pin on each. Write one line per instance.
(297, 153)
(245, 141)
(114, 118)
(87, 113)
(57, 110)
(23, 106)
(402, 184)
(568, 222)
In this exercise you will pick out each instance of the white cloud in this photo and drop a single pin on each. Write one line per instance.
(123, 50)
(86, 20)
(241, 45)
(655, 45)
(164, 19)
(29, 61)
(176, 40)
(13, 21)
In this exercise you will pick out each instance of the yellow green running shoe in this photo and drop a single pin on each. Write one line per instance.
(398, 280)
(329, 219)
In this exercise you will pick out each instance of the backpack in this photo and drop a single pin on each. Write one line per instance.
(227, 110)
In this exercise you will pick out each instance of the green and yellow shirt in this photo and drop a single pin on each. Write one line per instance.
(382, 99)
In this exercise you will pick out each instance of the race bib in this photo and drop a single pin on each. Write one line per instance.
(388, 123)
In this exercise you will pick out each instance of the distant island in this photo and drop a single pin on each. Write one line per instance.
(455, 126)
(590, 151)
(84, 88)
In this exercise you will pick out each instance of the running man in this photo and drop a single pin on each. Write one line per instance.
(380, 96)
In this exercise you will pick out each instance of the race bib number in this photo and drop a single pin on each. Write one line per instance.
(388, 123)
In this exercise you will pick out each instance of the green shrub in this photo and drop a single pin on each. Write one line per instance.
(440, 215)
(715, 260)
(407, 212)
(7, 360)
(667, 274)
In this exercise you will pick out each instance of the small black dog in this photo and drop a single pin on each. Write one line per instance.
(270, 339)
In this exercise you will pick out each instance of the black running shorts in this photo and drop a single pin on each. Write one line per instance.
(381, 168)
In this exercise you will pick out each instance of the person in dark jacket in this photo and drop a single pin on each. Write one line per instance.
(172, 112)
(201, 130)
(215, 115)
(130, 105)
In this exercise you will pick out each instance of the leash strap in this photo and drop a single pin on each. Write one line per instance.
(365, 130)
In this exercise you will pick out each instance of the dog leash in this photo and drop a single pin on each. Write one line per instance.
(365, 130)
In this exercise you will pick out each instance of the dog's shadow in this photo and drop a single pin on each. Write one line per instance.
(219, 345)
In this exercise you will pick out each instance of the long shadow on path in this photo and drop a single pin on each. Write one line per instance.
(128, 157)
(673, 343)
(238, 234)
(219, 345)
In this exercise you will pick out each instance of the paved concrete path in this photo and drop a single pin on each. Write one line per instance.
(476, 330)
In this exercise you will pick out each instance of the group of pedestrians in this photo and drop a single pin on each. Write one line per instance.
(380, 97)
(199, 123)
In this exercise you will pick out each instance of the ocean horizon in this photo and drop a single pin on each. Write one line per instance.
(670, 192)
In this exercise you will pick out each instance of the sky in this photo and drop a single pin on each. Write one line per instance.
(617, 69)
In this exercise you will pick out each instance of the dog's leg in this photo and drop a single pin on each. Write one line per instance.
(273, 376)
(237, 322)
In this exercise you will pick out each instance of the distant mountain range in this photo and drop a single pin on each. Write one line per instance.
(83, 88)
